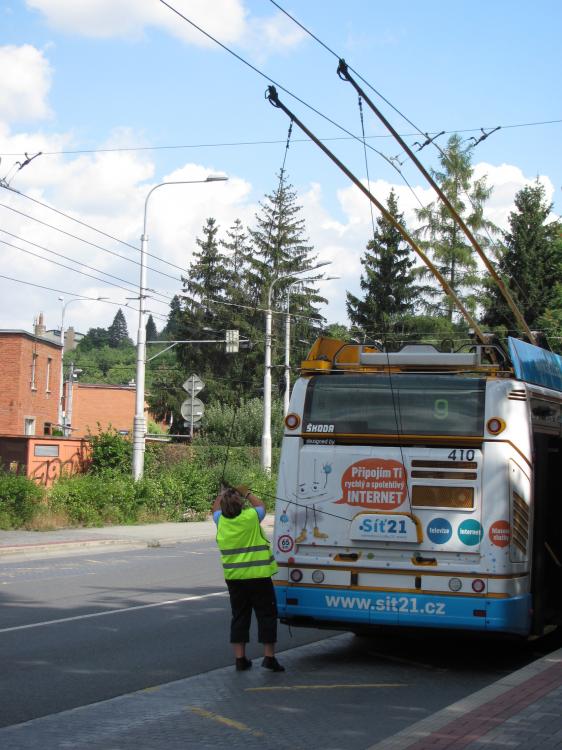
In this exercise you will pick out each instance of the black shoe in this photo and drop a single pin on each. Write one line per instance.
(270, 662)
(242, 664)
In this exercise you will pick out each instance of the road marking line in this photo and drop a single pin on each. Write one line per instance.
(327, 687)
(225, 720)
(112, 612)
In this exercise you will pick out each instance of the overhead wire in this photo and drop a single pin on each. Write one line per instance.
(95, 229)
(396, 407)
(271, 80)
(433, 142)
(68, 268)
(85, 241)
(77, 295)
(79, 262)
(235, 144)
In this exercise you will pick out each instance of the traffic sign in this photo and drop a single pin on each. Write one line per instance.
(193, 385)
(192, 410)
(232, 341)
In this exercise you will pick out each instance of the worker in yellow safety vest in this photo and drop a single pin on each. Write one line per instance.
(248, 566)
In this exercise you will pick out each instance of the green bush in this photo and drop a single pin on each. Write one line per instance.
(110, 452)
(177, 484)
(224, 424)
(20, 499)
(95, 499)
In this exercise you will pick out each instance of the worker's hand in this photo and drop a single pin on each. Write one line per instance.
(243, 489)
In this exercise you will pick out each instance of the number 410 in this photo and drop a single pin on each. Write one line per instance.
(461, 454)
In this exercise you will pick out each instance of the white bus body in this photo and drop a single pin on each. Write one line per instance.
(410, 498)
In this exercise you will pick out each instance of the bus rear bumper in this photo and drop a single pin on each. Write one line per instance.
(321, 607)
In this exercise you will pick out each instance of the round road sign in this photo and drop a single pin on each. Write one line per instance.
(192, 409)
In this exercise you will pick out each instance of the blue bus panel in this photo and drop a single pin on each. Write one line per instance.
(363, 608)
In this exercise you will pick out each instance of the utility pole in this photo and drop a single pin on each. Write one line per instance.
(139, 421)
(72, 374)
(266, 432)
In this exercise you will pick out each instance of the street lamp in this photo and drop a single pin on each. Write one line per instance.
(266, 432)
(60, 417)
(139, 424)
(287, 391)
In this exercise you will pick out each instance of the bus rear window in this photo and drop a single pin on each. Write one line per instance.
(412, 404)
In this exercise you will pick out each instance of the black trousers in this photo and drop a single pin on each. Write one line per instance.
(255, 594)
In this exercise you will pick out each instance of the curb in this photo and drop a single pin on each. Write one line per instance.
(422, 730)
(22, 549)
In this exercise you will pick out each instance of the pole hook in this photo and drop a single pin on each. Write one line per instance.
(272, 96)
(343, 70)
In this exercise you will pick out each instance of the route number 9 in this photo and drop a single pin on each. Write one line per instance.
(441, 408)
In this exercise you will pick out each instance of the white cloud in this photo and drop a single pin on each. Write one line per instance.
(344, 241)
(105, 190)
(227, 20)
(128, 18)
(25, 81)
(274, 34)
(109, 189)
(507, 180)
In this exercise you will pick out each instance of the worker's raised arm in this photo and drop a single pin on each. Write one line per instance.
(248, 495)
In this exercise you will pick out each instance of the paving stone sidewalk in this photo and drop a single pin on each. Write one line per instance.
(520, 712)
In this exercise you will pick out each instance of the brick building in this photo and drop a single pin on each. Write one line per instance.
(30, 367)
(109, 405)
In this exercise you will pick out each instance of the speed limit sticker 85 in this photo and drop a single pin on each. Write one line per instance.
(285, 543)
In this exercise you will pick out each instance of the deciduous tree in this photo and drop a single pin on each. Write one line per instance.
(442, 237)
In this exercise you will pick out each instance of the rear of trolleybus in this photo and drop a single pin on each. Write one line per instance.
(406, 493)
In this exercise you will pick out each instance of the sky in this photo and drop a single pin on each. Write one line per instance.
(120, 95)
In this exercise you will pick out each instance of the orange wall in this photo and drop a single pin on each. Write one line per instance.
(73, 458)
(111, 406)
(17, 397)
(44, 458)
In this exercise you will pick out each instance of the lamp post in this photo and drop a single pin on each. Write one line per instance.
(60, 417)
(287, 391)
(139, 423)
(266, 432)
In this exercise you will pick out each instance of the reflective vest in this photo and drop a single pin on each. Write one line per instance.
(244, 548)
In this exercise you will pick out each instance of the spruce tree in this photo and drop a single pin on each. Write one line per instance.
(118, 334)
(170, 331)
(281, 247)
(206, 279)
(529, 262)
(441, 236)
(388, 280)
(237, 248)
(151, 330)
(200, 316)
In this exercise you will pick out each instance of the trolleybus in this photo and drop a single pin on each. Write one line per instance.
(422, 488)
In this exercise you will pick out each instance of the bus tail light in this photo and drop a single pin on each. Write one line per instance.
(296, 575)
(478, 585)
(318, 576)
(292, 421)
(495, 425)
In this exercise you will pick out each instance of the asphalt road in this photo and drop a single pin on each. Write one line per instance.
(84, 628)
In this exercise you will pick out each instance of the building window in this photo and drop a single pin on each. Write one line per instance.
(29, 425)
(48, 378)
(46, 451)
(48, 428)
(34, 371)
